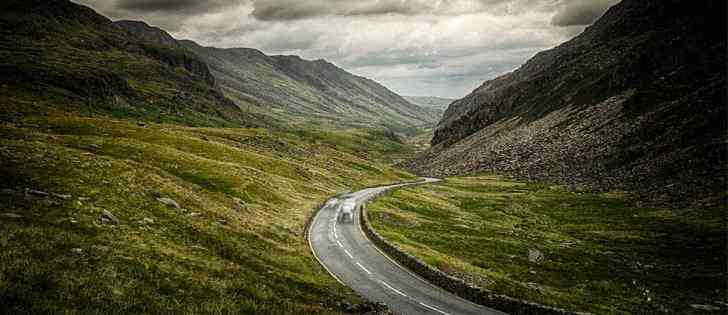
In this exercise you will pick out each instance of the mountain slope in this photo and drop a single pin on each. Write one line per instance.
(432, 102)
(56, 55)
(636, 101)
(300, 90)
(315, 90)
(101, 213)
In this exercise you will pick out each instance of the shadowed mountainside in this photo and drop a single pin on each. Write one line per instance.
(299, 90)
(59, 56)
(637, 101)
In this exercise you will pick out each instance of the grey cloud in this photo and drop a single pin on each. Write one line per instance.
(176, 6)
(290, 43)
(283, 10)
(580, 12)
(158, 5)
(403, 7)
(272, 10)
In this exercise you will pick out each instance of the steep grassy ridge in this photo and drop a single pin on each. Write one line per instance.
(234, 245)
(59, 56)
(298, 90)
(601, 253)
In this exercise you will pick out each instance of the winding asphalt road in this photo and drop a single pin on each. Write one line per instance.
(351, 258)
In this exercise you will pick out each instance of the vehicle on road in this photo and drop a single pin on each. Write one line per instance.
(346, 214)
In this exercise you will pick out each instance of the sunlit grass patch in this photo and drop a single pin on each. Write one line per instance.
(602, 253)
(234, 245)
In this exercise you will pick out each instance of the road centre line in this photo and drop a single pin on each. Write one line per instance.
(362, 268)
(432, 308)
(393, 289)
(348, 253)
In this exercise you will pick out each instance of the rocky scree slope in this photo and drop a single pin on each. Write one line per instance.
(637, 101)
(60, 56)
(299, 90)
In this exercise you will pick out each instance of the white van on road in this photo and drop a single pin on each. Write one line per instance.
(346, 215)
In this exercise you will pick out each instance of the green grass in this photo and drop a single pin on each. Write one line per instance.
(603, 254)
(237, 247)
(59, 57)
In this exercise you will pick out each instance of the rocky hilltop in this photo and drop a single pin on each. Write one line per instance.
(298, 90)
(637, 101)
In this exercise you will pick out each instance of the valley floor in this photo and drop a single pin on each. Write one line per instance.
(588, 252)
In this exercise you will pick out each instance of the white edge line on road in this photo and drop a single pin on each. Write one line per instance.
(414, 274)
(310, 245)
(362, 268)
(393, 289)
(432, 308)
(337, 242)
(348, 253)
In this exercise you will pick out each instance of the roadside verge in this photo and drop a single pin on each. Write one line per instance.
(451, 284)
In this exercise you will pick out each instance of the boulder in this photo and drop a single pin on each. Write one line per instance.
(169, 202)
(535, 256)
(107, 217)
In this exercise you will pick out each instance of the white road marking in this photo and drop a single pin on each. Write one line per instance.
(348, 253)
(336, 235)
(362, 268)
(337, 242)
(432, 308)
(393, 289)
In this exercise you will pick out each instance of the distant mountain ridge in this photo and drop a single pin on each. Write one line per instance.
(299, 90)
(637, 101)
(433, 102)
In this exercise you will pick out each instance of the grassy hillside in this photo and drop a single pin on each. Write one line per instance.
(302, 91)
(59, 56)
(600, 253)
(111, 202)
(234, 244)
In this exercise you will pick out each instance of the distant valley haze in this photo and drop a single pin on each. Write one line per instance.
(414, 47)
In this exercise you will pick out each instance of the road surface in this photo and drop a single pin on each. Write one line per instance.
(352, 259)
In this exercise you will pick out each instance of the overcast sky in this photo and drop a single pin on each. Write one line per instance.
(415, 47)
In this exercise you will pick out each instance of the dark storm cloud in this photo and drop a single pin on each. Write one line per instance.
(389, 7)
(281, 10)
(289, 9)
(158, 5)
(580, 12)
(174, 6)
